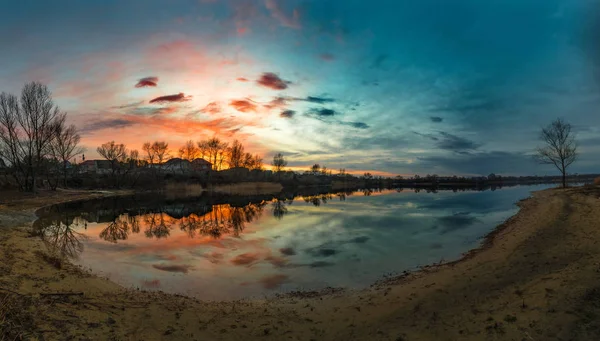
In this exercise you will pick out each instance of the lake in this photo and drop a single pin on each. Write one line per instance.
(220, 248)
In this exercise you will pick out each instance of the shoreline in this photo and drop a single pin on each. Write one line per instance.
(381, 298)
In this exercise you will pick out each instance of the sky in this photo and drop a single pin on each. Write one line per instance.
(389, 86)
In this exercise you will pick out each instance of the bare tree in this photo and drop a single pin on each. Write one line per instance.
(279, 162)
(150, 157)
(27, 126)
(113, 152)
(215, 150)
(237, 155)
(65, 146)
(161, 150)
(560, 147)
(189, 151)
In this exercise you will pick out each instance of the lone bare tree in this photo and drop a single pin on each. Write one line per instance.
(27, 127)
(560, 148)
(279, 162)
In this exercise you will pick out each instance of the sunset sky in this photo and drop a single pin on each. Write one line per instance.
(397, 86)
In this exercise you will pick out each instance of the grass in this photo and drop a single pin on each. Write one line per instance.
(16, 322)
(53, 260)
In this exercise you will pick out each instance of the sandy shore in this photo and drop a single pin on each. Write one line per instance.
(537, 277)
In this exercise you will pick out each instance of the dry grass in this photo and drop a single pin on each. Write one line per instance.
(53, 260)
(16, 322)
(183, 188)
(249, 188)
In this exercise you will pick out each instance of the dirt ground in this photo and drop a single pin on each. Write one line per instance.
(537, 277)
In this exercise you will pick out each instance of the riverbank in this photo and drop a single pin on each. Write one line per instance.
(535, 278)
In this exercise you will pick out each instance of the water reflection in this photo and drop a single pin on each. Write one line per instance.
(224, 247)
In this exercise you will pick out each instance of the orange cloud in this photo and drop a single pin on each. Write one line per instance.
(243, 105)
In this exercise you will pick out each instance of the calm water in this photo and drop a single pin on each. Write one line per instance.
(216, 248)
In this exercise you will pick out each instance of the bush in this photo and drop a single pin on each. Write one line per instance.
(597, 181)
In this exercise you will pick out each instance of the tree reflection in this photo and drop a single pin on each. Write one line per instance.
(61, 238)
(279, 208)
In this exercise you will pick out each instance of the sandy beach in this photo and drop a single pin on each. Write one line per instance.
(536, 277)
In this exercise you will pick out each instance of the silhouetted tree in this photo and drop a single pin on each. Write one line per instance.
(189, 151)
(216, 150)
(113, 152)
(279, 162)
(237, 156)
(65, 146)
(27, 126)
(560, 147)
(315, 168)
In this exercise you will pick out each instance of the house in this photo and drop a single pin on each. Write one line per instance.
(95, 167)
(181, 166)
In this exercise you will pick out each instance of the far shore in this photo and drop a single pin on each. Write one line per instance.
(535, 277)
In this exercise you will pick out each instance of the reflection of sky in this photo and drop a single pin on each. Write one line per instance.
(347, 243)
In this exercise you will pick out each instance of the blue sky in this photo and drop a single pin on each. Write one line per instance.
(401, 87)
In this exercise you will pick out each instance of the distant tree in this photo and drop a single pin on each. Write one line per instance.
(367, 176)
(150, 155)
(27, 127)
(560, 147)
(324, 170)
(492, 176)
(189, 151)
(237, 156)
(65, 146)
(342, 172)
(216, 151)
(116, 153)
(315, 168)
(279, 162)
(161, 150)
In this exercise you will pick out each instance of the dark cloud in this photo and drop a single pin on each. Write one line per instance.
(318, 100)
(320, 264)
(327, 57)
(273, 281)
(148, 111)
(287, 113)
(243, 105)
(245, 259)
(288, 251)
(242, 79)
(173, 268)
(359, 240)
(358, 125)
(322, 252)
(129, 105)
(211, 108)
(180, 97)
(148, 81)
(451, 142)
(322, 112)
(436, 119)
(456, 221)
(271, 80)
(456, 143)
(107, 124)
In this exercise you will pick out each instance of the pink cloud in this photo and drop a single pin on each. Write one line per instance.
(272, 80)
(292, 21)
(180, 97)
(242, 79)
(147, 81)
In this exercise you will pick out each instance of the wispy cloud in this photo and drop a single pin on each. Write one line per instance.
(243, 105)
